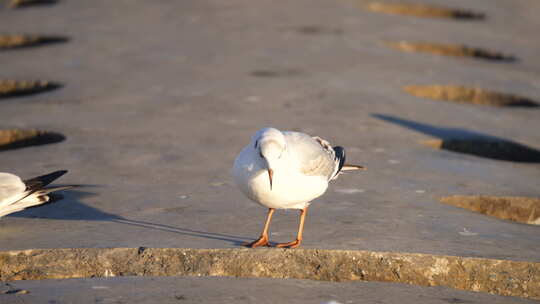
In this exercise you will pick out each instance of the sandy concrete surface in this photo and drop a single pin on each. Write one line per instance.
(235, 290)
(159, 97)
(501, 277)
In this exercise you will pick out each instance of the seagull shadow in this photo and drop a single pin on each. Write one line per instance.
(234, 240)
(469, 142)
(69, 207)
(431, 130)
(66, 205)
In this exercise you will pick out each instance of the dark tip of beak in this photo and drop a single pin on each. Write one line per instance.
(270, 174)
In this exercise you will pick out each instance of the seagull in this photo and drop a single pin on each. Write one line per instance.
(287, 170)
(17, 195)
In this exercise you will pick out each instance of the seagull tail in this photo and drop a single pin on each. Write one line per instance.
(36, 199)
(38, 194)
(42, 197)
(39, 182)
(340, 162)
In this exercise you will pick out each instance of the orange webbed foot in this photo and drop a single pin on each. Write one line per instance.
(292, 244)
(262, 241)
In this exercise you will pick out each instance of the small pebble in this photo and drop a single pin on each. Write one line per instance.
(466, 232)
(350, 191)
(100, 287)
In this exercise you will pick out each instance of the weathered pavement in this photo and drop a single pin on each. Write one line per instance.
(236, 290)
(149, 84)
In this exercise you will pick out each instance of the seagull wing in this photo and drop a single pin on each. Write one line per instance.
(12, 189)
(315, 156)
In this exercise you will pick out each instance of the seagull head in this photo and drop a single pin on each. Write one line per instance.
(270, 145)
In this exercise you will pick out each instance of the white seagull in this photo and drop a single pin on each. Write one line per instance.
(287, 170)
(17, 195)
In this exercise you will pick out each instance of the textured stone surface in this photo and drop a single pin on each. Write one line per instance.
(21, 41)
(18, 138)
(462, 94)
(29, 3)
(11, 88)
(146, 93)
(13, 41)
(449, 50)
(149, 83)
(422, 10)
(508, 278)
(520, 209)
(165, 290)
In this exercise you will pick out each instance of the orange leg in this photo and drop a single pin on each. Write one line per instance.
(263, 240)
(298, 240)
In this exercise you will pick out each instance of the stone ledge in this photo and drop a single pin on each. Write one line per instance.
(502, 277)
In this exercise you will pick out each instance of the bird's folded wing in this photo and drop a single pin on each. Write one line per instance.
(315, 156)
(12, 189)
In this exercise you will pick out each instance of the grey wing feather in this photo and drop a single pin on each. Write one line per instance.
(315, 155)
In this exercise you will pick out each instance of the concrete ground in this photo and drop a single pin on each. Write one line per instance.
(160, 96)
(235, 290)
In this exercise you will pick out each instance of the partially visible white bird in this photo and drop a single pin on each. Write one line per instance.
(287, 170)
(17, 195)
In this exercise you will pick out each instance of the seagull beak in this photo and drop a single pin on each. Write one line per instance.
(270, 174)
